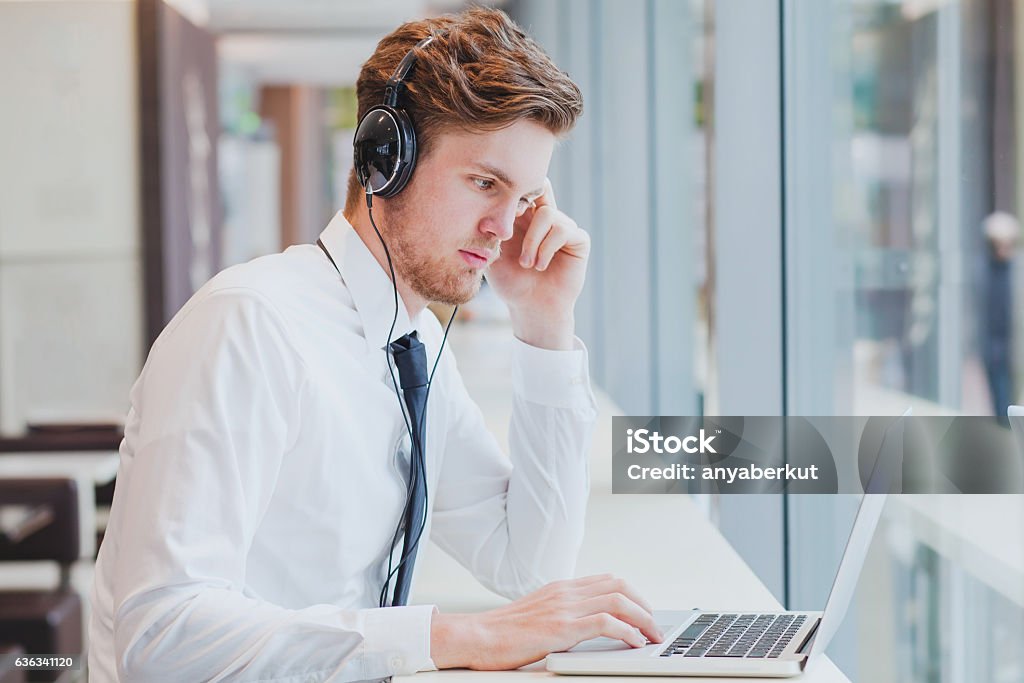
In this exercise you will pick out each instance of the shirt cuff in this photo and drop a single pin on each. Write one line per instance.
(397, 640)
(559, 379)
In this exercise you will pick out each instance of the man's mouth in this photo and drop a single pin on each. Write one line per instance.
(476, 258)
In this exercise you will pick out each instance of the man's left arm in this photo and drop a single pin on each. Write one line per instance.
(517, 523)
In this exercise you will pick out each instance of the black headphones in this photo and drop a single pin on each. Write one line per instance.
(385, 141)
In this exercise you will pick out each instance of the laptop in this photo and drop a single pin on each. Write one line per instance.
(751, 644)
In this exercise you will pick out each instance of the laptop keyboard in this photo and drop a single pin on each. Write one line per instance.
(736, 635)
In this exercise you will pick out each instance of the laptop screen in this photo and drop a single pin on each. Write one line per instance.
(884, 472)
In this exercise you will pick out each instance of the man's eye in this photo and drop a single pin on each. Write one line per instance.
(483, 183)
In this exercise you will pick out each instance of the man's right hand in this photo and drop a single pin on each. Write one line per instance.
(551, 619)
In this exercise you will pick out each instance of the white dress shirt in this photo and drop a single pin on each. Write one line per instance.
(263, 474)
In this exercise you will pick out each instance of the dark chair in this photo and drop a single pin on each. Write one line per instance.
(44, 525)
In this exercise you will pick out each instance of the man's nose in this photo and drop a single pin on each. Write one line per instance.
(500, 224)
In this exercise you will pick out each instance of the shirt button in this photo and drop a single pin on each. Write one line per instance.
(397, 662)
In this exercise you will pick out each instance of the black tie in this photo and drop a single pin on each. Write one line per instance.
(411, 361)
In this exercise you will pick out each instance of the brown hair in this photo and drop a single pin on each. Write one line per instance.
(480, 73)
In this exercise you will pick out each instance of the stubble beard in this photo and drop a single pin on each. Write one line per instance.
(433, 278)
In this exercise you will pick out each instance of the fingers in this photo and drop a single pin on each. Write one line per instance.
(551, 231)
(556, 238)
(610, 584)
(588, 580)
(605, 593)
(540, 225)
(625, 610)
(581, 582)
(607, 626)
(559, 616)
(547, 198)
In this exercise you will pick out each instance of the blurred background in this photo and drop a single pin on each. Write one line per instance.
(802, 207)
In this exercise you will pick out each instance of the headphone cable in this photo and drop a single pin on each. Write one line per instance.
(416, 440)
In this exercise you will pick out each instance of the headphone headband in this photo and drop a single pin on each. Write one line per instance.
(394, 84)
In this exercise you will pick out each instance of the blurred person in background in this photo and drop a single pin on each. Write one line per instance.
(1002, 231)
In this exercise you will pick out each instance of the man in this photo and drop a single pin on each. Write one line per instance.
(265, 468)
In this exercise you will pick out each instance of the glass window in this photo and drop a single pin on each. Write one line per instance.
(902, 233)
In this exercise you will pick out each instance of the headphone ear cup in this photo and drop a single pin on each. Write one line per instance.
(384, 150)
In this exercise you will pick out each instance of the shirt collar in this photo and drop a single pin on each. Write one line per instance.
(369, 284)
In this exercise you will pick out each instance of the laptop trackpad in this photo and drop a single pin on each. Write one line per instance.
(599, 644)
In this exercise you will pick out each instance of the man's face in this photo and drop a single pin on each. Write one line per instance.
(448, 224)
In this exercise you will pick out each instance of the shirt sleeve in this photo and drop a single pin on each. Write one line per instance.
(213, 416)
(517, 523)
